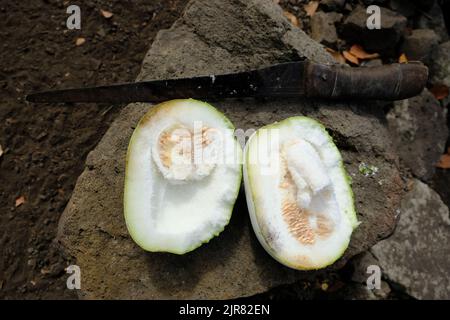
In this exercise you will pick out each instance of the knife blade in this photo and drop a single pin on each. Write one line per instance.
(292, 79)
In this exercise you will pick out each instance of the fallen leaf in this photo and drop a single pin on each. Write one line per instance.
(20, 201)
(311, 8)
(360, 53)
(106, 14)
(403, 58)
(292, 18)
(440, 91)
(45, 271)
(350, 57)
(336, 55)
(444, 162)
(80, 41)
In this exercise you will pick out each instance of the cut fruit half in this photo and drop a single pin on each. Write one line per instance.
(183, 174)
(298, 193)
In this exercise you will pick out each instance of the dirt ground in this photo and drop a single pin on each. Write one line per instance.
(45, 146)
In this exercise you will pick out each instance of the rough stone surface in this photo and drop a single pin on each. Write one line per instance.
(417, 255)
(441, 181)
(420, 44)
(323, 29)
(419, 129)
(332, 5)
(406, 8)
(216, 36)
(382, 40)
(436, 23)
(440, 69)
(359, 290)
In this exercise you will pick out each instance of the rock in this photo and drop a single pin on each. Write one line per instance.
(360, 264)
(323, 29)
(433, 19)
(332, 5)
(372, 63)
(359, 289)
(377, 2)
(441, 181)
(424, 4)
(420, 45)
(405, 7)
(416, 257)
(440, 68)
(419, 130)
(356, 291)
(384, 40)
(215, 36)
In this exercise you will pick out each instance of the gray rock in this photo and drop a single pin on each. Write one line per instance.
(441, 181)
(417, 255)
(332, 5)
(419, 130)
(359, 289)
(372, 63)
(424, 4)
(378, 2)
(420, 45)
(440, 68)
(356, 291)
(323, 27)
(433, 19)
(360, 264)
(216, 36)
(406, 8)
(384, 40)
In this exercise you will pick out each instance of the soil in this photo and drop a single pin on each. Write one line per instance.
(45, 146)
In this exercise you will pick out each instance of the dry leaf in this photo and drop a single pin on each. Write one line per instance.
(403, 58)
(350, 57)
(292, 18)
(360, 53)
(444, 162)
(106, 14)
(336, 55)
(20, 201)
(311, 8)
(440, 91)
(80, 41)
(45, 271)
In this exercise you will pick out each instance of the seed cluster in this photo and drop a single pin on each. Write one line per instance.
(183, 140)
(299, 219)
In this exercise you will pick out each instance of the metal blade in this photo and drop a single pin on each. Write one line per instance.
(282, 80)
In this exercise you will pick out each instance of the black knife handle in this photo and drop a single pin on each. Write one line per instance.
(388, 82)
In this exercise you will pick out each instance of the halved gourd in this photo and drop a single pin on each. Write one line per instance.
(183, 174)
(298, 193)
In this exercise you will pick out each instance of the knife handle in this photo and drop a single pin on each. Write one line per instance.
(388, 82)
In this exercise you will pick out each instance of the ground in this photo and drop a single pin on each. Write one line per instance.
(45, 146)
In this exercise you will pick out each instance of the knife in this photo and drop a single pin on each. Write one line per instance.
(292, 79)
